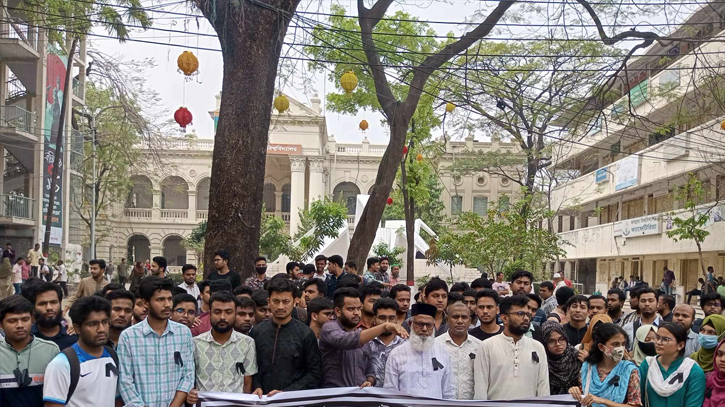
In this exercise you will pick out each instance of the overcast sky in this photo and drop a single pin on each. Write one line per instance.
(199, 93)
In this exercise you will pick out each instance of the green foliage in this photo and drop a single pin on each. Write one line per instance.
(502, 240)
(326, 218)
(691, 225)
(195, 242)
(393, 254)
(273, 240)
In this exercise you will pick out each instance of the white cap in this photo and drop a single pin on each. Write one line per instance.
(557, 275)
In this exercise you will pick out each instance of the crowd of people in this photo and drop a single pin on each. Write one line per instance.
(326, 325)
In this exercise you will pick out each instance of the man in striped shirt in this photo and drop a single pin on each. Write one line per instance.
(157, 354)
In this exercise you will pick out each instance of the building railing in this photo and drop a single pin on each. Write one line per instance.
(202, 215)
(17, 117)
(286, 217)
(16, 89)
(137, 213)
(16, 206)
(78, 88)
(350, 219)
(174, 214)
(15, 28)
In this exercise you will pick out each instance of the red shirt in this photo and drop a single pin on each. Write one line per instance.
(205, 325)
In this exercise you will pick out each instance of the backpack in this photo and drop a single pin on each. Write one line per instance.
(75, 367)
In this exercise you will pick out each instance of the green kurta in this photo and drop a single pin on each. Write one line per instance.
(691, 394)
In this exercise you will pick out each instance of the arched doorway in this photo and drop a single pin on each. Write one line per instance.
(346, 193)
(174, 252)
(138, 248)
(174, 193)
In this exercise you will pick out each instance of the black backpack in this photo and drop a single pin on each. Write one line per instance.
(75, 367)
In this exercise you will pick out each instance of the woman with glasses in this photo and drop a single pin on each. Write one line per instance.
(670, 379)
(711, 333)
(715, 380)
(644, 343)
(606, 379)
(563, 363)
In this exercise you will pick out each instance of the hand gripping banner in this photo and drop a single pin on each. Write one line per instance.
(369, 397)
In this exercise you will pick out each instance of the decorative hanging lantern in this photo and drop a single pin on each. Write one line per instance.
(364, 125)
(281, 103)
(390, 201)
(187, 62)
(348, 81)
(183, 117)
(722, 125)
(449, 107)
(405, 149)
(419, 157)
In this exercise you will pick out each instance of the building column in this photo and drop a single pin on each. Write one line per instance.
(278, 204)
(317, 183)
(156, 250)
(156, 210)
(192, 205)
(297, 193)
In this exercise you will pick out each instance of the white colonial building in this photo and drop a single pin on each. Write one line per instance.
(304, 163)
(616, 212)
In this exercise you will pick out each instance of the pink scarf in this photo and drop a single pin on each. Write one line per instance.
(715, 385)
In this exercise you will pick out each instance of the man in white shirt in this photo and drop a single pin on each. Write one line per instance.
(421, 366)
(62, 278)
(558, 282)
(188, 271)
(33, 256)
(461, 347)
(511, 365)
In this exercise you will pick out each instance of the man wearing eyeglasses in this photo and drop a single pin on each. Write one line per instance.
(421, 366)
(511, 365)
(22, 375)
(184, 309)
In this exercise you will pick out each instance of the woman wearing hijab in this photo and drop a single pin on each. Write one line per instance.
(606, 379)
(562, 357)
(6, 279)
(586, 344)
(715, 380)
(670, 379)
(711, 333)
(644, 343)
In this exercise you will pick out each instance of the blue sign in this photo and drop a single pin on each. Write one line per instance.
(602, 175)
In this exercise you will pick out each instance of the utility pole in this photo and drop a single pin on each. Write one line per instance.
(93, 195)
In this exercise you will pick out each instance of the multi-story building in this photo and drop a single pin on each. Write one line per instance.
(304, 163)
(32, 86)
(633, 156)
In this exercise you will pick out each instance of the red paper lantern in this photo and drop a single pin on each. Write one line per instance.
(390, 201)
(183, 117)
(405, 149)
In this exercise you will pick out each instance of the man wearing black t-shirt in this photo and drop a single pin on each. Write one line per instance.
(221, 263)
(577, 309)
(486, 310)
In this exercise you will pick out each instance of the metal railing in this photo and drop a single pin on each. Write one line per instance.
(16, 206)
(17, 117)
(16, 89)
(16, 28)
(78, 88)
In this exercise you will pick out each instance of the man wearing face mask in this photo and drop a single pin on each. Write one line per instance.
(257, 282)
(221, 263)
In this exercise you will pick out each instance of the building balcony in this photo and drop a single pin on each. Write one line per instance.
(202, 215)
(17, 123)
(175, 214)
(16, 210)
(137, 213)
(79, 91)
(18, 40)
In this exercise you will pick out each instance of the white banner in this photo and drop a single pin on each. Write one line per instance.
(371, 396)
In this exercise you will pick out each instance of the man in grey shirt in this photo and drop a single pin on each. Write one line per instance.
(344, 363)
(684, 315)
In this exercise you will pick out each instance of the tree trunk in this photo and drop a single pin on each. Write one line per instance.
(409, 227)
(58, 148)
(251, 38)
(367, 227)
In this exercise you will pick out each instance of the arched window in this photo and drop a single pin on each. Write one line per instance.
(346, 193)
(141, 194)
(269, 197)
(202, 194)
(174, 193)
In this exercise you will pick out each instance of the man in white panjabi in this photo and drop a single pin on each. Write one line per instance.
(421, 366)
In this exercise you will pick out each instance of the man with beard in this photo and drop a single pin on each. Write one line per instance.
(97, 381)
(158, 266)
(221, 264)
(157, 354)
(46, 298)
(244, 321)
(615, 302)
(204, 322)
(394, 275)
(183, 309)
(521, 282)
(634, 305)
(287, 353)
(121, 314)
(188, 272)
(378, 350)
(421, 366)
(665, 304)
(711, 304)
(511, 365)
(597, 305)
(401, 294)
(293, 270)
(89, 285)
(382, 274)
(319, 311)
(260, 267)
(461, 346)
(469, 298)
(23, 353)
(225, 359)
(684, 315)
(341, 343)
(577, 309)
(140, 312)
(368, 295)
(487, 311)
(648, 309)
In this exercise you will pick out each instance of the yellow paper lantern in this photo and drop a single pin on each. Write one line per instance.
(281, 103)
(364, 125)
(722, 125)
(348, 81)
(449, 107)
(187, 62)
(419, 157)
